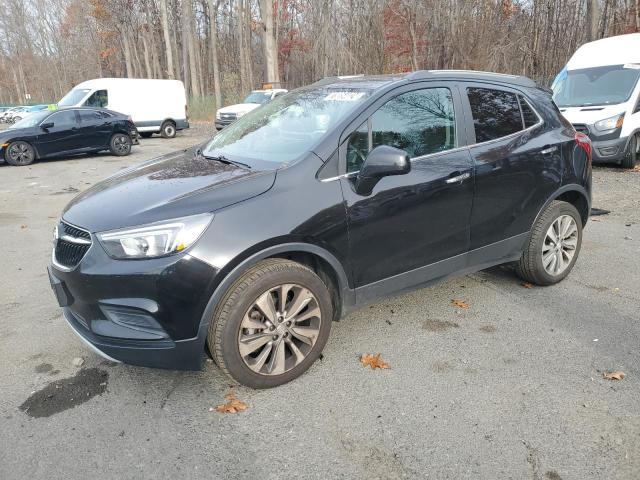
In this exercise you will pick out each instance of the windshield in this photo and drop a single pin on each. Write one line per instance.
(74, 97)
(30, 121)
(284, 129)
(596, 86)
(257, 97)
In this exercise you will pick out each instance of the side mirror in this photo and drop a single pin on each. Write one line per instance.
(381, 162)
(46, 126)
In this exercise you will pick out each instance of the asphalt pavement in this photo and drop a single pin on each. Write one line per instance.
(510, 387)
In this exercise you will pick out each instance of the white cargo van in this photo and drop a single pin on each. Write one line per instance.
(599, 93)
(155, 106)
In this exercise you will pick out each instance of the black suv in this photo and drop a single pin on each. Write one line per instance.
(327, 198)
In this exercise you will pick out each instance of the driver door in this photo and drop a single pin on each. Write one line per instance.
(412, 227)
(63, 137)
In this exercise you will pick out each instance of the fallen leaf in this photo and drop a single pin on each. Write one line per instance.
(527, 285)
(617, 375)
(233, 405)
(460, 303)
(373, 361)
(23, 226)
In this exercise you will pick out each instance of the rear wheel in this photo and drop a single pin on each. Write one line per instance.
(168, 129)
(629, 160)
(553, 246)
(19, 154)
(272, 324)
(120, 144)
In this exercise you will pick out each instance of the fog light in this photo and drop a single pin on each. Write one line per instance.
(124, 322)
(607, 151)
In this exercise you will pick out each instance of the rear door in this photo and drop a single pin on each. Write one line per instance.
(63, 137)
(418, 219)
(516, 161)
(95, 128)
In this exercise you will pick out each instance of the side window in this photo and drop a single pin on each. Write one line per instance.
(495, 113)
(358, 148)
(529, 117)
(89, 116)
(98, 99)
(420, 122)
(63, 119)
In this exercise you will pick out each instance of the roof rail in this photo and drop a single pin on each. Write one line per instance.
(472, 75)
(334, 79)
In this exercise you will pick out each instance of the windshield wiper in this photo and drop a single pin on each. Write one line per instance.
(223, 159)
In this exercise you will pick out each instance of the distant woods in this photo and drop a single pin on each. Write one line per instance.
(221, 49)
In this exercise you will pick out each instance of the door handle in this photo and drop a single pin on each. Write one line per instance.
(549, 150)
(458, 178)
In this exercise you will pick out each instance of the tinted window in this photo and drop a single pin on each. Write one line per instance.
(420, 122)
(358, 148)
(495, 113)
(63, 119)
(98, 99)
(89, 116)
(529, 117)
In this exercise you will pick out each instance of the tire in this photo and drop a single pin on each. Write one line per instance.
(19, 154)
(120, 144)
(146, 134)
(168, 129)
(238, 306)
(629, 160)
(531, 266)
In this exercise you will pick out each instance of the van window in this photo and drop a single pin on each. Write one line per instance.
(496, 113)
(74, 97)
(98, 99)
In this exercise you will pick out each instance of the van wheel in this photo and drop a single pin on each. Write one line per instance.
(629, 160)
(553, 246)
(168, 129)
(146, 134)
(120, 144)
(272, 324)
(19, 154)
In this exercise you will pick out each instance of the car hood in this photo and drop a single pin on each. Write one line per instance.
(16, 132)
(239, 108)
(589, 115)
(171, 186)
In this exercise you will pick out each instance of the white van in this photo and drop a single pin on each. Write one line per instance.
(599, 93)
(155, 106)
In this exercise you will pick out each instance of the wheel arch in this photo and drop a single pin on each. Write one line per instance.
(31, 142)
(574, 194)
(319, 259)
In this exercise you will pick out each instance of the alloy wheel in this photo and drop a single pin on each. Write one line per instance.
(21, 153)
(121, 144)
(279, 329)
(559, 246)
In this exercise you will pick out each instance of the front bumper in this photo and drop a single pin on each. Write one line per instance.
(610, 151)
(221, 123)
(142, 312)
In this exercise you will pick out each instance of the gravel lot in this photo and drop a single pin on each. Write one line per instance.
(511, 387)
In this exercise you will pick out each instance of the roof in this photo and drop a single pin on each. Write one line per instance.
(377, 81)
(618, 50)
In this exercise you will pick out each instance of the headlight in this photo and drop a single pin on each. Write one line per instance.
(610, 123)
(155, 240)
(218, 116)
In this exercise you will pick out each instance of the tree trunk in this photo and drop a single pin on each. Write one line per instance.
(592, 18)
(127, 55)
(213, 12)
(270, 47)
(168, 47)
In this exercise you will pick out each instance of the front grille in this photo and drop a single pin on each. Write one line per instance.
(228, 116)
(581, 128)
(72, 244)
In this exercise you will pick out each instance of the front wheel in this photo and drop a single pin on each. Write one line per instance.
(553, 246)
(272, 324)
(120, 144)
(629, 160)
(168, 129)
(19, 154)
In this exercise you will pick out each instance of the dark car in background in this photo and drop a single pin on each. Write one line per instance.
(319, 202)
(65, 132)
